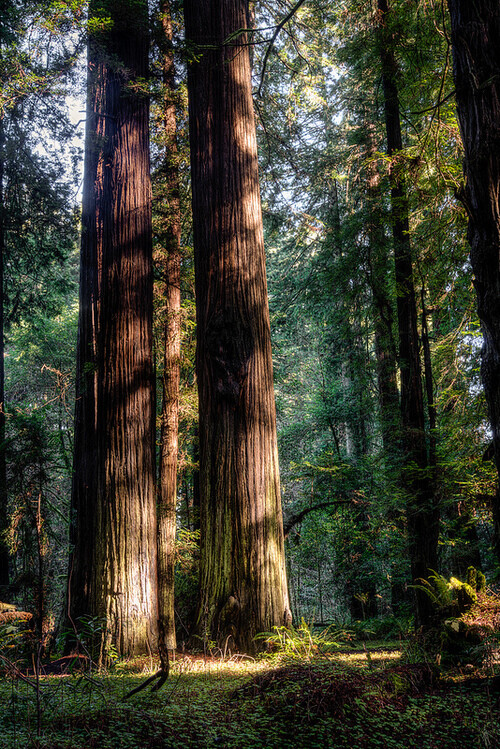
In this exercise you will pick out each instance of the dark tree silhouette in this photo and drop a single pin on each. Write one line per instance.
(422, 511)
(475, 31)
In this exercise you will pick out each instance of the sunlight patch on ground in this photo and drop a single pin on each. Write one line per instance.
(243, 665)
(368, 658)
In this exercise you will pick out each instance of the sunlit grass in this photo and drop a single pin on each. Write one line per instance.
(348, 700)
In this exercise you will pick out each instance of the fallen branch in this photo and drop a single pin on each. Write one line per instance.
(12, 669)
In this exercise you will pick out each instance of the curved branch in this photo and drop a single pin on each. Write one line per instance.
(294, 520)
(273, 39)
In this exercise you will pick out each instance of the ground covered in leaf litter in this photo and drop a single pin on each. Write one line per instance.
(354, 700)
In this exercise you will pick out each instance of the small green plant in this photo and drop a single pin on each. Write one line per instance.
(302, 641)
(382, 628)
(449, 597)
(438, 589)
(10, 637)
(466, 619)
(91, 637)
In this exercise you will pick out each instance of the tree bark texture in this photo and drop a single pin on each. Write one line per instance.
(475, 34)
(243, 576)
(113, 567)
(170, 260)
(421, 508)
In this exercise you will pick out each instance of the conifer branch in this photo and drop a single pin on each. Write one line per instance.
(271, 43)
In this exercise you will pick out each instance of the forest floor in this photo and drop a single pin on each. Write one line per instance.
(362, 699)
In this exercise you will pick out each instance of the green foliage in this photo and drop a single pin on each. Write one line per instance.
(466, 596)
(330, 280)
(476, 580)
(326, 190)
(480, 582)
(383, 628)
(238, 705)
(38, 522)
(187, 548)
(448, 596)
(40, 264)
(303, 641)
(88, 635)
(39, 425)
(40, 45)
(11, 638)
(467, 621)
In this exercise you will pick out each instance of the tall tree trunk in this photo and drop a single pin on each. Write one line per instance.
(171, 264)
(4, 553)
(429, 385)
(385, 345)
(243, 577)
(475, 34)
(196, 516)
(383, 315)
(113, 569)
(421, 508)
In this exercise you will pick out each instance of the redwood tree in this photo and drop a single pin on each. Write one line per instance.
(113, 567)
(475, 34)
(421, 509)
(242, 578)
(169, 257)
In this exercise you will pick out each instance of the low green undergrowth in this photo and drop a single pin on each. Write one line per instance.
(305, 641)
(346, 701)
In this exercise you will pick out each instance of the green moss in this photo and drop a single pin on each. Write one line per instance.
(480, 582)
(476, 579)
(465, 594)
(471, 577)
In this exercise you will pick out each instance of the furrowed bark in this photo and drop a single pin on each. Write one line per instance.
(4, 552)
(113, 568)
(171, 266)
(243, 577)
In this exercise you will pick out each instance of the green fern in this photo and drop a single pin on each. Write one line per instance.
(438, 589)
(302, 641)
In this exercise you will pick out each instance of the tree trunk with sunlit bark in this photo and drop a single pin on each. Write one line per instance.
(113, 566)
(169, 260)
(4, 552)
(243, 578)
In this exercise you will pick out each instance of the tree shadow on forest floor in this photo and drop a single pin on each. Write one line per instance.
(355, 700)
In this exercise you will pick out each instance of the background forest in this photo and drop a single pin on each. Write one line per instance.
(336, 187)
